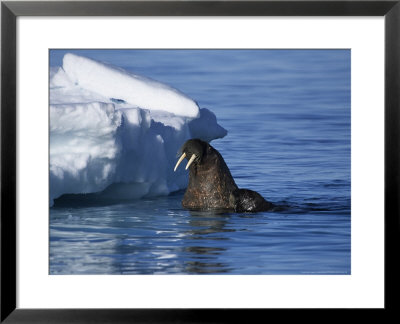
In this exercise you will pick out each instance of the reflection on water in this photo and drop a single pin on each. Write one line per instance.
(157, 236)
(177, 242)
(206, 226)
(197, 267)
(209, 223)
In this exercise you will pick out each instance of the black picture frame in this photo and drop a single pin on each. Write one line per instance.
(10, 10)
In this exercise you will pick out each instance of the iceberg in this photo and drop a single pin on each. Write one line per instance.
(118, 134)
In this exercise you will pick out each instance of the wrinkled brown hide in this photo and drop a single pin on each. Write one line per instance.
(211, 185)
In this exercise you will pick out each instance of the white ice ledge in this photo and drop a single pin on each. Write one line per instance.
(113, 130)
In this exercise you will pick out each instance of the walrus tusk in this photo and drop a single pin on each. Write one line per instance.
(190, 161)
(179, 161)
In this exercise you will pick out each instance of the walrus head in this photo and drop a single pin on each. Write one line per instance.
(210, 181)
(194, 150)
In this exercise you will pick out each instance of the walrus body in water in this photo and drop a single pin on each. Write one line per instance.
(211, 185)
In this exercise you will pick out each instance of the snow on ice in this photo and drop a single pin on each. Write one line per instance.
(119, 133)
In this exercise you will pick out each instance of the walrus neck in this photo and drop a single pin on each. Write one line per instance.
(214, 168)
(210, 185)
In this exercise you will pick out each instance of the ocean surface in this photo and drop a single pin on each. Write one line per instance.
(287, 113)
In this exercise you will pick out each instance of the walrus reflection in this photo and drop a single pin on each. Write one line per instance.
(211, 185)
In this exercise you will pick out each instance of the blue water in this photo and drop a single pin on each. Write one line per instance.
(287, 113)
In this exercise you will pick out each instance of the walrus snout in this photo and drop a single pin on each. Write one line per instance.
(193, 150)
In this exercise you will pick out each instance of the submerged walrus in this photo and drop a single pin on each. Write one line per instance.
(211, 185)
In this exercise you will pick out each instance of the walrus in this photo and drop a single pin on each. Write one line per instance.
(211, 185)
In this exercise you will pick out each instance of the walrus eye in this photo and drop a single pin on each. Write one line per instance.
(190, 161)
(179, 161)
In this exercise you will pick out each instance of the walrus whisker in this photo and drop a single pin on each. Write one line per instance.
(190, 161)
(179, 161)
